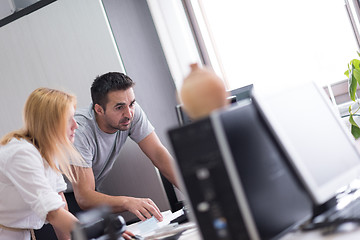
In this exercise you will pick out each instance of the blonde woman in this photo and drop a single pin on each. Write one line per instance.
(32, 161)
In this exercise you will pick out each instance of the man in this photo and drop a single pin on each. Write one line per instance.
(103, 129)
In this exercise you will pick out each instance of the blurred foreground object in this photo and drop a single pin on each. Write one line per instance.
(99, 224)
(202, 92)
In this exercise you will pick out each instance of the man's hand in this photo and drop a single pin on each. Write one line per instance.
(87, 198)
(143, 208)
(128, 235)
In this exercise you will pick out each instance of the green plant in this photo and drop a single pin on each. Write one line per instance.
(353, 74)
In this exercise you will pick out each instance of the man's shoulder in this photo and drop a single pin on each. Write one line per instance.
(84, 116)
(140, 114)
(85, 119)
(84, 113)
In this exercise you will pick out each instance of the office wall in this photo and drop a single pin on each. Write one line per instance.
(63, 45)
(145, 63)
(66, 45)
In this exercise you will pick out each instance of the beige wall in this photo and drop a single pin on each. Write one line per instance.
(66, 45)
(63, 45)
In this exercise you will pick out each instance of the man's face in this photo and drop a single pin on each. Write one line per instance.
(119, 111)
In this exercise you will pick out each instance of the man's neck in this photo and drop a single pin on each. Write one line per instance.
(102, 125)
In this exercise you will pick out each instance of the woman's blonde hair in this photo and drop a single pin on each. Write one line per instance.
(45, 126)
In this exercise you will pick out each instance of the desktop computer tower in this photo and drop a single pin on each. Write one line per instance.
(236, 178)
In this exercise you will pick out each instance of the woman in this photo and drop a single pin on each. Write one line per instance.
(32, 161)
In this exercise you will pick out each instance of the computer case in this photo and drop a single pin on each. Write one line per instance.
(236, 178)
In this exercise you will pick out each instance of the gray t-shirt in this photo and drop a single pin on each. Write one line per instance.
(100, 149)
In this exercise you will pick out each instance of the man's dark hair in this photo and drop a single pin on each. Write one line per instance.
(106, 83)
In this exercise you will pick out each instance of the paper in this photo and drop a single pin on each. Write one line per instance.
(149, 226)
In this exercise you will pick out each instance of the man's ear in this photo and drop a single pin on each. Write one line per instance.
(98, 109)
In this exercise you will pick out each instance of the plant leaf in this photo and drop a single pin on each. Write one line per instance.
(352, 83)
(351, 120)
(355, 130)
(356, 63)
(356, 74)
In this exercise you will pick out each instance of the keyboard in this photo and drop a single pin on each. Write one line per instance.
(181, 219)
(346, 211)
(350, 212)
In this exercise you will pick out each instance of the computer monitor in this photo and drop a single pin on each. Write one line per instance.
(236, 177)
(320, 148)
(235, 95)
(175, 198)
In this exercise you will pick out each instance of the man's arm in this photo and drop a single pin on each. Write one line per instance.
(87, 197)
(160, 156)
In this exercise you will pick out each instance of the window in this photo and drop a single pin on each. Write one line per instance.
(276, 43)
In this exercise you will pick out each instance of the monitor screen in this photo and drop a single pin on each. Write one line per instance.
(277, 200)
(320, 148)
(235, 95)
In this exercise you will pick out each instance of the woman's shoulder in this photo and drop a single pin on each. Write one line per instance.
(19, 145)
(16, 151)
(20, 142)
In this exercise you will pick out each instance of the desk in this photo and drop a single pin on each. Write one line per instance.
(153, 230)
(188, 234)
(191, 235)
(316, 235)
(194, 234)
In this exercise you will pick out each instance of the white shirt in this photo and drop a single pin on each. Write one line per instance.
(28, 188)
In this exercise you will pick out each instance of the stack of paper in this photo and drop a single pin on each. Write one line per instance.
(151, 225)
